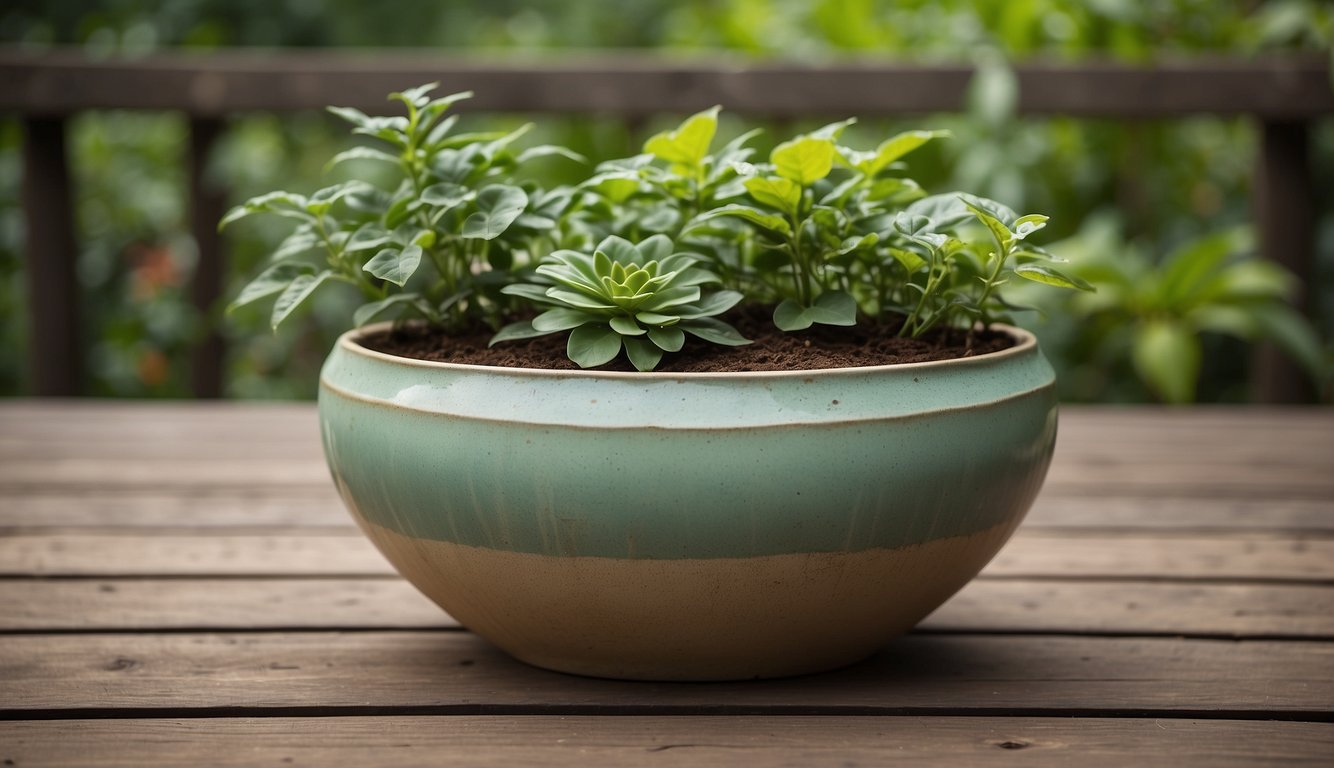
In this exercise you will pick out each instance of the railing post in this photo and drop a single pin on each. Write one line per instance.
(55, 359)
(1285, 217)
(206, 207)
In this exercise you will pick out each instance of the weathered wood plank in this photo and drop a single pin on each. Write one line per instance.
(344, 552)
(985, 605)
(664, 741)
(440, 672)
(221, 510)
(631, 85)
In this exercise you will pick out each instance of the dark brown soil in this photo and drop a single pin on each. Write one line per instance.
(816, 348)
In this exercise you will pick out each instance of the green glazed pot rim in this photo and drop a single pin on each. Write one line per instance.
(1025, 342)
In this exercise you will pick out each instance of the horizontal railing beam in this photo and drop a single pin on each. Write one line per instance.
(216, 83)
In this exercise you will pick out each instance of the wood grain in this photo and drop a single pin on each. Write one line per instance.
(256, 509)
(995, 606)
(345, 552)
(440, 672)
(337, 742)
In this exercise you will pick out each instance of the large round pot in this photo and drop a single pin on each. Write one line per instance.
(688, 526)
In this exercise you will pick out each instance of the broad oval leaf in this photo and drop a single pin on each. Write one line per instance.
(667, 339)
(445, 195)
(394, 265)
(644, 355)
(520, 330)
(780, 193)
(592, 345)
(561, 319)
(804, 160)
(497, 208)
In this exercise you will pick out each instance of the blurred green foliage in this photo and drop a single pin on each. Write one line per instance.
(1165, 184)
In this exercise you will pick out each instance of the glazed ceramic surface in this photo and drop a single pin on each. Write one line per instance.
(688, 526)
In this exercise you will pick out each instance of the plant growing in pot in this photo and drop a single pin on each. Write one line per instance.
(606, 508)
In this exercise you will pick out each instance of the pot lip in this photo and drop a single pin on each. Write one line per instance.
(1025, 343)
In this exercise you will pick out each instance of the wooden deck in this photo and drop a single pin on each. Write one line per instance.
(179, 584)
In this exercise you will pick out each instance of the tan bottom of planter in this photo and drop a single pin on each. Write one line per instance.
(711, 619)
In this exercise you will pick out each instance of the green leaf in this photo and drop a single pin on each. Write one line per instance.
(667, 339)
(804, 160)
(445, 195)
(896, 147)
(350, 114)
(910, 261)
(295, 294)
(1166, 355)
(714, 331)
(513, 331)
(366, 238)
(497, 207)
(361, 153)
(779, 193)
(998, 229)
(768, 221)
(367, 312)
(626, 326)
(1291, 332)
(533, 293)
(593, 345)
(689, 143)
(416, 97)
(644, 355)
(715, 303)
(832, 308)
(1048, 275)
(833, 130)
(547, 150)
(273, 280)
(561, 319)
(281, 203)
(395, 265)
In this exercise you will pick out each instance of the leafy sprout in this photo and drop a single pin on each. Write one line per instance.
(641, 298)
(456, 210)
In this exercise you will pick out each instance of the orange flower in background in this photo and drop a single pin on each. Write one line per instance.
(153, 268)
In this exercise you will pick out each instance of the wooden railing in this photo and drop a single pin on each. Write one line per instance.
(1284, 96)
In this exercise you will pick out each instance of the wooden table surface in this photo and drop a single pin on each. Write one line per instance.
(179, 584)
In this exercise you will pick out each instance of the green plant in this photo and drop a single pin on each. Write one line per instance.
(1156, 313)
(824, 233)
(641, 297)
(455, 208)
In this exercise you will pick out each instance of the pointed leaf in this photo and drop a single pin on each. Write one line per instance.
(777, 192)
(497, 207)
(395, 265)
(804, 160)
(689, 143)
(715, 331)
(273, 280)
(367, 312)
(361, 153)
(1042, 273)
(295, 294)
(513, 331)
(768, 221)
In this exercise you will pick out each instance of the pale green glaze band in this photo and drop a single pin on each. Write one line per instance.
(558, 463)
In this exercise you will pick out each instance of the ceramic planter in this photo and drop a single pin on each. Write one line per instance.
(688, 526)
